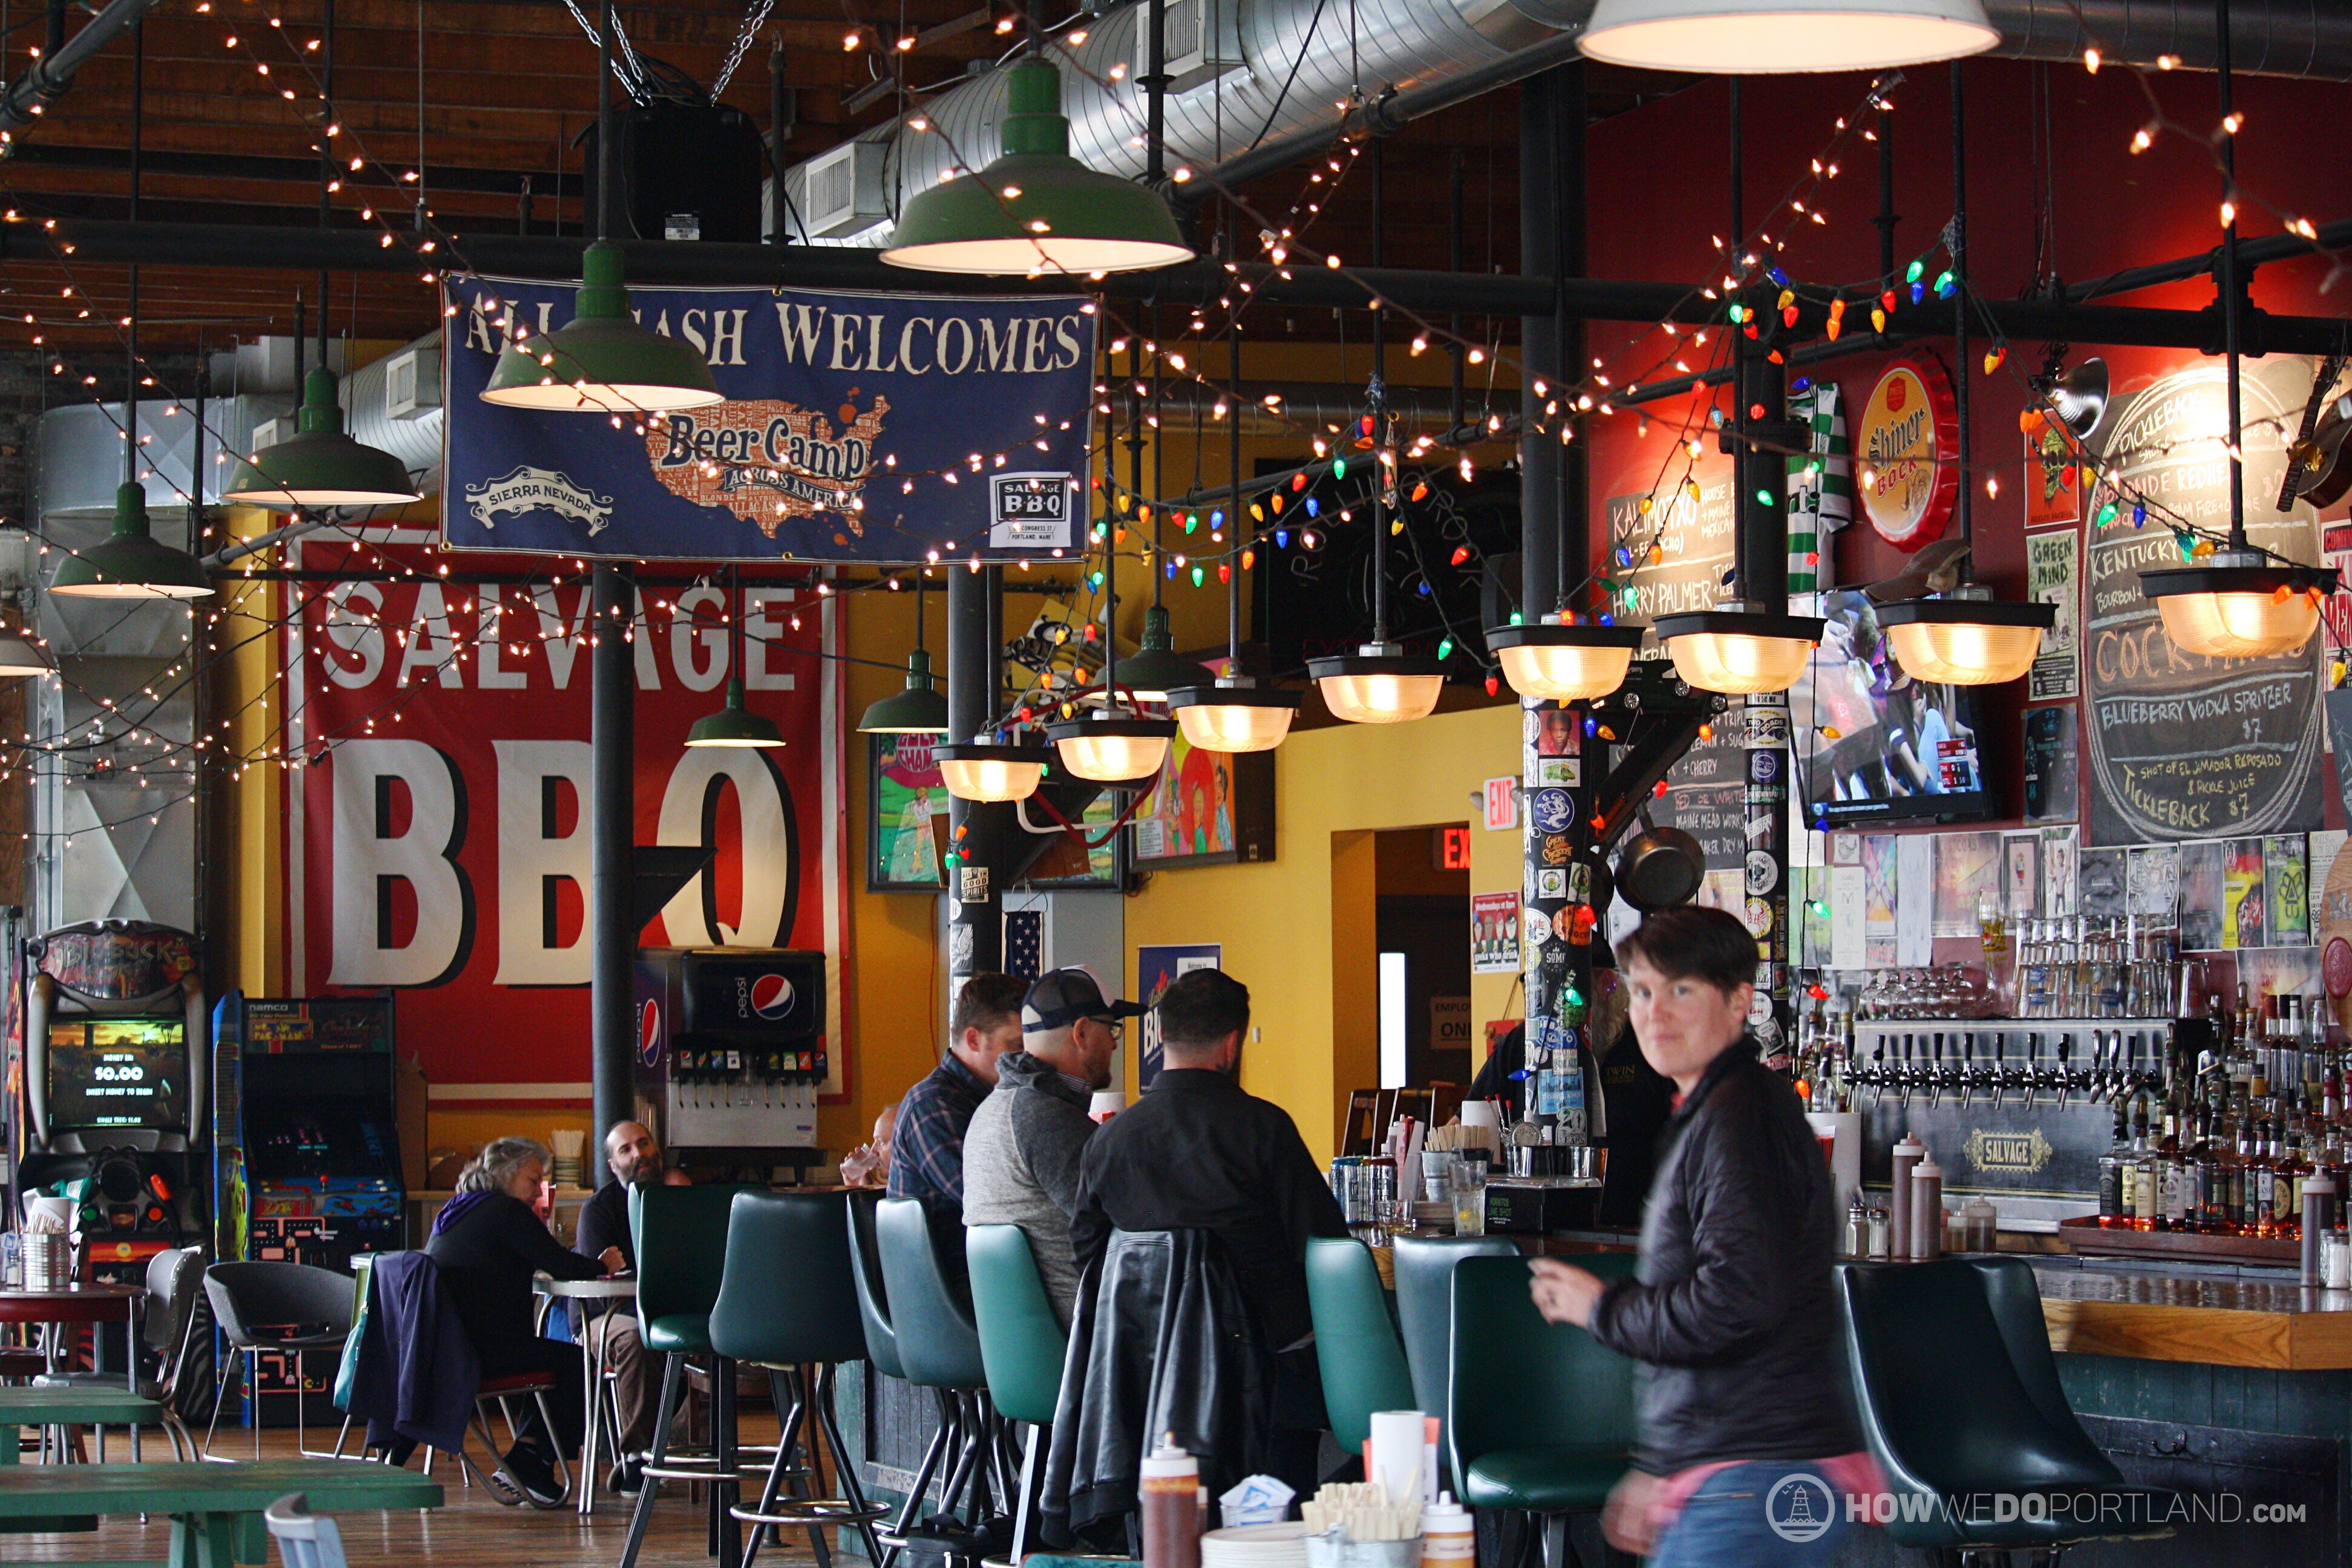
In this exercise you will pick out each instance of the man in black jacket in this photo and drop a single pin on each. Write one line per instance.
(1742, 1399)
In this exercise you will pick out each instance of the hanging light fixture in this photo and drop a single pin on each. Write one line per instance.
(1738, 647)
(920, 708)
(1114, 744)
(1564, 663)
(1156, 668)
(1037, 208)
(2239, 602)
(1743, 36)
(1966, 637)
(19, 656)
(602, 362)
(734, 724)
(984, 771)
(321, 466)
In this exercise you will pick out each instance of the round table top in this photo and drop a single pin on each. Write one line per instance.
(593, 1290)
(75, 1303)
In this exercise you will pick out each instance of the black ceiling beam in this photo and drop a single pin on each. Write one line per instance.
(711, 265)
(291, 171)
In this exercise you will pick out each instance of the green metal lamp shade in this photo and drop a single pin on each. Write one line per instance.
(130, 562)
(920, 709)
(1037, 208)
(19, 656)
(602, 362)
(733, 725)
(320, 465)
(1157, 669)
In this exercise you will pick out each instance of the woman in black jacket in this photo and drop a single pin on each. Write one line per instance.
(1747, 1443)
(487, 1242)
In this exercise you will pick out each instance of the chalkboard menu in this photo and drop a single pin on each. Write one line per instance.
(1706, 791)
(2178, 745)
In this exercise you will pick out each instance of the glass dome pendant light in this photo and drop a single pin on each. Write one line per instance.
(2240, 602)
(602, 362)
(1966, 637)
(734, 724)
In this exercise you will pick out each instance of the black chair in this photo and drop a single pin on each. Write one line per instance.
(1425, 1304)
(1959, 1399)
(787, 1302)
(167, 1321)
(291, 1308)
(938, 1345)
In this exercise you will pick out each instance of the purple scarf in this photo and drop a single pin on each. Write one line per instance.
(456, 1209)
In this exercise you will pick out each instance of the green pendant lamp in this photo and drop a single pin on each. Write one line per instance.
(1156, 668)
(1037, 208)
(734, 724)
(130, 562)
(21, 657)
(320, 465)
(921, 708)
(602, 362)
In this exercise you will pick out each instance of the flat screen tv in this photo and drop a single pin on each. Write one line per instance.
(1872, 744)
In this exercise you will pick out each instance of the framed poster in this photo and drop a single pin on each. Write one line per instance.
(1155, 968)
(905, 815)
(1209, 808)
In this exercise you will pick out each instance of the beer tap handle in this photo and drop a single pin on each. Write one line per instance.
(1967, 1066)
(1999, 1067)
(2066, 1069)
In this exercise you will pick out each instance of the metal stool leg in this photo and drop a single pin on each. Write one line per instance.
(253, 1396)
(844, 1471)
(673, 1384)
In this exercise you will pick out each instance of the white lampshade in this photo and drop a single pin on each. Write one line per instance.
(2238, 608)
(1115, 749)
(1965, 641)
(990, 773)
(18, 656)
(1739, 652)
(1751, 36)
(1564, 664)
(1377, 684)
(1233, 715)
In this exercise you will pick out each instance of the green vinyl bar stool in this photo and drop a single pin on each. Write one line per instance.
(787, 1302)
(1959, 1399)
(1355, 1341)
(1424, 1305)
(1022, 1346)
(1542, 1416)
(681, 1240)
(939, 1344)
(882, 1356)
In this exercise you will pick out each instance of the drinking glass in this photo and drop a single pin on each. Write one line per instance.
(1469, 1180)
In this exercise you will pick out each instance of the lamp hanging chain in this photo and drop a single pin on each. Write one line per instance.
(2229, 287)
(130, 332)
(1376, 396)
(1741, 449)
(604, 122)
(753, 20)
(326, 158)
(1957, 238)
(1234, 454)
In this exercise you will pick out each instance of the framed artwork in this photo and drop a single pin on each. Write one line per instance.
(906, 815)
(1209, 808)
(1066, 864)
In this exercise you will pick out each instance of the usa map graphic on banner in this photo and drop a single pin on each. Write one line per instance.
(857, 427)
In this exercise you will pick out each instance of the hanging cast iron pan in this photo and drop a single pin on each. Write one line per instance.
(1659, 867)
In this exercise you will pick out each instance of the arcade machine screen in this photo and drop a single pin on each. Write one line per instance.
(119, 1072)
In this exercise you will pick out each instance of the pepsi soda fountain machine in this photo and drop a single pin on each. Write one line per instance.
(731, 1052)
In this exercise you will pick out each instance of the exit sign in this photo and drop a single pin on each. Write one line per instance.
(1502, 804)
(1453, 847)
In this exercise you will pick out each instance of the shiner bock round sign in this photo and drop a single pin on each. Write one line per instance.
(1908, 429)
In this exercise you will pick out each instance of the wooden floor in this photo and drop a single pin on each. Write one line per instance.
(469, 1531)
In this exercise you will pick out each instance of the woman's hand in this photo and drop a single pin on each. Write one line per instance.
(1626, 1517)
(612, 1260)
(1564, 1293)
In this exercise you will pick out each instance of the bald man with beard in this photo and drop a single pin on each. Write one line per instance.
(634, 1158)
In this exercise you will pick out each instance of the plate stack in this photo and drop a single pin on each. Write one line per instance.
(1256, 1546)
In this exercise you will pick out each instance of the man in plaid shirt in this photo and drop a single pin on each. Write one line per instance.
(927, 1151)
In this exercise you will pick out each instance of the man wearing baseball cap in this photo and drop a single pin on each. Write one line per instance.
(1021, 1152)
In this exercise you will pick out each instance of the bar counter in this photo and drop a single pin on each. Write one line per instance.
(2219, 1317)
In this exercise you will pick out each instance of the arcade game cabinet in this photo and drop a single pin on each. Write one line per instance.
(114, 1085)
(731, 1053)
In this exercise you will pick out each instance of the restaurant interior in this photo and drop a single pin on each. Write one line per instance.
(572, 605)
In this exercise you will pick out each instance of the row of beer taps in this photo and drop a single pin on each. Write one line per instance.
(2053, 1064)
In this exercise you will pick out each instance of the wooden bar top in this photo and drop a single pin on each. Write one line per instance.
(2221, 1318)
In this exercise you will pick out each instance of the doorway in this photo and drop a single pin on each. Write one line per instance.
(1421, 932)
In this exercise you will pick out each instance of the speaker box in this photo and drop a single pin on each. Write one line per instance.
(682, 172)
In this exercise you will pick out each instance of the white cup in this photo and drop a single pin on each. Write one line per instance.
(1105, 1104)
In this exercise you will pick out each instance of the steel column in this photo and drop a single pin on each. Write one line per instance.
(612, 836)
(981, 833)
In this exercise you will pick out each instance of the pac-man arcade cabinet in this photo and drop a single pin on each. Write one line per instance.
(731, 1052)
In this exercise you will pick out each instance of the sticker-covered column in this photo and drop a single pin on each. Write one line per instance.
(1770, 1015)
(1556, 917)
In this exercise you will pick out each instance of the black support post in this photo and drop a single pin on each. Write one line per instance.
(982, 832)
(612, 835)
(1539, 148)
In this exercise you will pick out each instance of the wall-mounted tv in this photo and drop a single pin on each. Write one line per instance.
(1871, 743)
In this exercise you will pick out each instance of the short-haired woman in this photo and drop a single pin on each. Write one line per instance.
(1748, 1442)
(487, 1242)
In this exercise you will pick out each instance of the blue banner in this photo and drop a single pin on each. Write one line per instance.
(874, 427)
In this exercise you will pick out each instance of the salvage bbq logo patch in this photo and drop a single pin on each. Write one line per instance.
(769, 460)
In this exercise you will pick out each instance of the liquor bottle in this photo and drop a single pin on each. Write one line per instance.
(2115, 1209)
(2294, 1170)
(2147, 1177)
(2262, 1178)
(2197, 1170)
(2231, 1171)
(2174, 1211)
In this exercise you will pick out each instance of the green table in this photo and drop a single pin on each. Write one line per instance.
(215, 1508)
(71, 1406)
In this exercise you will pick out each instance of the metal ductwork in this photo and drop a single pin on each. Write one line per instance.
(45, 80)
(1413, 58)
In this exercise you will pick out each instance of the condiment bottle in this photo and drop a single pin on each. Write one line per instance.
(1449, 1536)
(1171, 1510)
(1907, 1155)
(1980, 1226)
(1926, 1211)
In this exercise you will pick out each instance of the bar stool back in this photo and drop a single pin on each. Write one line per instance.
(1542, 1414)
(1355, 1340)
(939, 1344)
(1022, 1345)
(680, 1234)
(1960, 1398)
(873, 1295)
(1424, 1302)
(788, 1301)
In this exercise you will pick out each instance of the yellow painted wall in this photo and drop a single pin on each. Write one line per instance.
(1298, 931)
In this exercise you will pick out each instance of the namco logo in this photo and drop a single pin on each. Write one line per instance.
(649, 1034)
(772, 997)
(1898, 393)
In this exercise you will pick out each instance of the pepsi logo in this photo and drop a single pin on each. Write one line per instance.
(649, 1034)
(772, 997)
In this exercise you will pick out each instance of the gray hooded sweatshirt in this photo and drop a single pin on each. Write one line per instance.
(1021, 1164)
